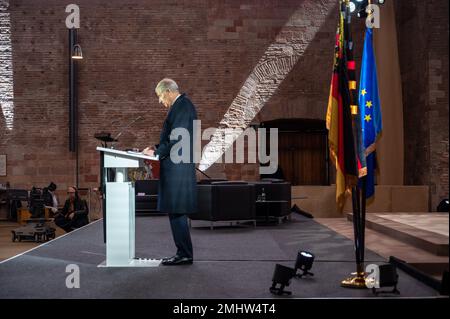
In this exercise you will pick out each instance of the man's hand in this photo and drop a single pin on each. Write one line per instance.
(71, 215)
(149, 151)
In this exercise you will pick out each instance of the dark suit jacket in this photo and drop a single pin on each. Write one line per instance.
(177, 182)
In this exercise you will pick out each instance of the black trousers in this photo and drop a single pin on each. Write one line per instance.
(181, 235)
(63, 222)
(69, 224)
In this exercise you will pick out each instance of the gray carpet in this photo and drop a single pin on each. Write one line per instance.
(230, 262)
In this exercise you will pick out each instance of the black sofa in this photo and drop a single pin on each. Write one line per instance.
(220, 200)
(225, 201)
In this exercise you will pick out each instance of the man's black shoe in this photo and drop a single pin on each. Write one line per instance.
(170, 258)
(177, 260)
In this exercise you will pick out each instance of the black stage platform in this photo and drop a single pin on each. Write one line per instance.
(230, 262)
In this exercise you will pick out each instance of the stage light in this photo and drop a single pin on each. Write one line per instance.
(304, 262)
(357, 6)
(443, 206)
(360, 7)
(282, 276)
(77, 54)
(352, 7)
(388, 277)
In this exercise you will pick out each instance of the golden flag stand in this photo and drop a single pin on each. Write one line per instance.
(358, 279)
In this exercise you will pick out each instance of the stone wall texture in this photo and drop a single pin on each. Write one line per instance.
(423, 50)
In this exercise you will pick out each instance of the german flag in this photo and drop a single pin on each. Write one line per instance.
(344, 134)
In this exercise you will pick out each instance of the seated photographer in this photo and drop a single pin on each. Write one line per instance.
(50, 199)
(75, 212)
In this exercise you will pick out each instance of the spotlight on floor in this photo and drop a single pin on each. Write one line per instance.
(388, 277)
(304, 262)
(443, 206)
(282, 276)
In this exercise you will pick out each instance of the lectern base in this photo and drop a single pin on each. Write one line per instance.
(135, 263)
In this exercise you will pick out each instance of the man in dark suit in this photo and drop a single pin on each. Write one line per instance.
(177, 184)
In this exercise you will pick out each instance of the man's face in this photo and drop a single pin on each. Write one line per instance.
(71, 193)
(164, 98)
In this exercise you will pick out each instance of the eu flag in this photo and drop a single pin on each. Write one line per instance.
(369, 103)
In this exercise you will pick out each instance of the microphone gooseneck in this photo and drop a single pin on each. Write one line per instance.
(124, 129)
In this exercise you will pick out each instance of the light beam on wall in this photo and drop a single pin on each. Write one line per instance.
(273, 67)
(6, 66)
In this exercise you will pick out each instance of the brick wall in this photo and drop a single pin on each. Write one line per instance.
(211, 48)
(423, 50)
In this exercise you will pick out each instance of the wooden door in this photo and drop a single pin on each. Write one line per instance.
(302, 157)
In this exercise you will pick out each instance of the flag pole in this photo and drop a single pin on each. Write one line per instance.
(363, 216)
(358, 278)
(364, 197)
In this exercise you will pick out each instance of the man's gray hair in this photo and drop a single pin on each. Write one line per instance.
(166, 85)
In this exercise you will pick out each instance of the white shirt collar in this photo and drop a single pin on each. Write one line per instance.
(176, 99)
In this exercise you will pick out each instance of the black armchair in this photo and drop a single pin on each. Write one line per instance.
(225, 201)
